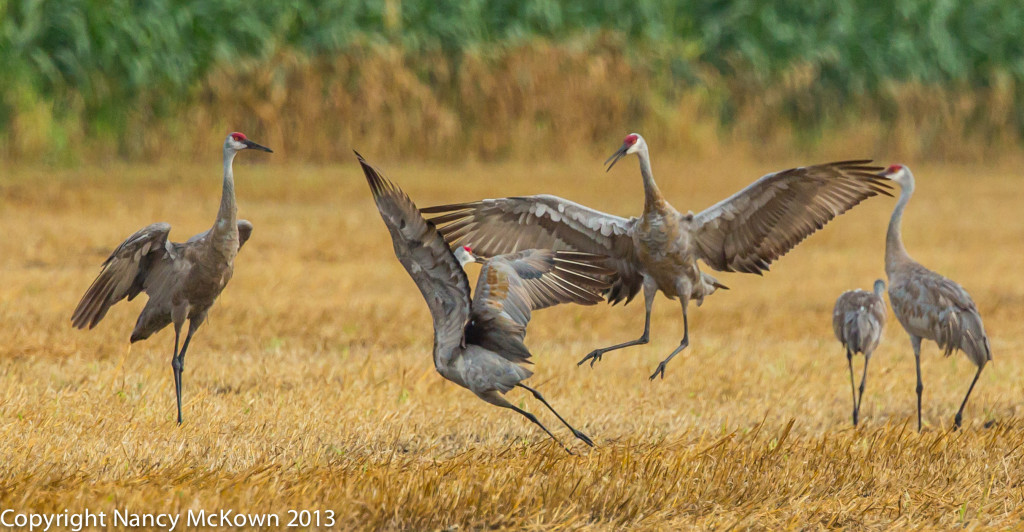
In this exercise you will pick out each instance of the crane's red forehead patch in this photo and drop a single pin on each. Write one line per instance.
(894, 168)
(238, 136)
(468, 249)
(630, 139)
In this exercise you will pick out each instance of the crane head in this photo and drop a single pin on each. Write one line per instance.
(238, 141)
(880, 288)
(464, 254)
(898, 173)
(631, 144)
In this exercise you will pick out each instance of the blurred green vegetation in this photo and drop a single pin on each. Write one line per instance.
(91, 74)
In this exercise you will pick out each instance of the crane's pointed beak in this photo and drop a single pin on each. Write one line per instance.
(616, 156)
(252, 145)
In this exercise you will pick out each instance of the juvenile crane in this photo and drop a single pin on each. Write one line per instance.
(858, 320)
(928, 305)
(182, 280)
(659, 249)
(478, 343)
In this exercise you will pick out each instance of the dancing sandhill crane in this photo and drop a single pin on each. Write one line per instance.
(928, 305)
(182, 280)
(858, 320)
(659, 249)
(478, 343)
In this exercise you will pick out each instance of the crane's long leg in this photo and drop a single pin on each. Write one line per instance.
(960, 413)
(193, 324)
(540, 398)
(496, 399)
(916, 342)
(682, 344)
(176, 365)
(863, 379)
(650, 290)
(849, 362)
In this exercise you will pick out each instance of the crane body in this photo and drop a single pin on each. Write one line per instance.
(182, 280)
(478, 341)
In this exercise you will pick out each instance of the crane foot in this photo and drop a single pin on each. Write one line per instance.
(586, 439)
(594, 356)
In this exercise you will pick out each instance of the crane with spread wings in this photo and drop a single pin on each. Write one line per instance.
(660, 249)
(479, 341)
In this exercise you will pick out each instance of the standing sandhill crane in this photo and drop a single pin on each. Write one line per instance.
(858, 320)
(659, 250)
(181, 280)
(478, 343)
(928, 305)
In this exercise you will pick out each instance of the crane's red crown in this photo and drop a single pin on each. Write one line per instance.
(238, 136)
(468, 249)
(894, 168)
(630, 139)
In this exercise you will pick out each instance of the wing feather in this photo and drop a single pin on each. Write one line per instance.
(123, 274)
(425, 255)
(509, 225)
(511, 286)
(762, 222)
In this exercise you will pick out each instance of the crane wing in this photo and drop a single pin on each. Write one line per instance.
(932, 306)
(511, 286)
(508, 225)
(429, 261)
(123, 275)
(747, 231)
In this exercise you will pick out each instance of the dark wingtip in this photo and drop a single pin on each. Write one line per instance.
(373, 178)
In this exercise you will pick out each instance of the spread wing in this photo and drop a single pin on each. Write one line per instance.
(124, 274)
(508, 225)
(762, 222)
(429, 261)
(511, 286)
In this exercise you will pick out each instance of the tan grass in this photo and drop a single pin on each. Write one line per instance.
(311, 386)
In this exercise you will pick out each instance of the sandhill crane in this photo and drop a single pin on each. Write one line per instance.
(659, 249)
(478, 344)
(182, 280)
(928, 305)
(858, 320)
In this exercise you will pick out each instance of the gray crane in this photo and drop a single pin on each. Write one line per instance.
(928, 305)
(478, 343)
(659, 249)
(182, 280)
(858, 320)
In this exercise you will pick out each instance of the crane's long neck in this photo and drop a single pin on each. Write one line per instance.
(895, 252)
(652, 196)
(225, 229)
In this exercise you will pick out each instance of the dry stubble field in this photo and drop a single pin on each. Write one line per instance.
(311, 386)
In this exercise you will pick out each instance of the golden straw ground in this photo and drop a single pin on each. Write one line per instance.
(317, 390)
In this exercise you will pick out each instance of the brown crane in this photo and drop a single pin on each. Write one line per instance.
(659, 249)
(858, 320)
(928, 305)
(182, 280)
(478, 342)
